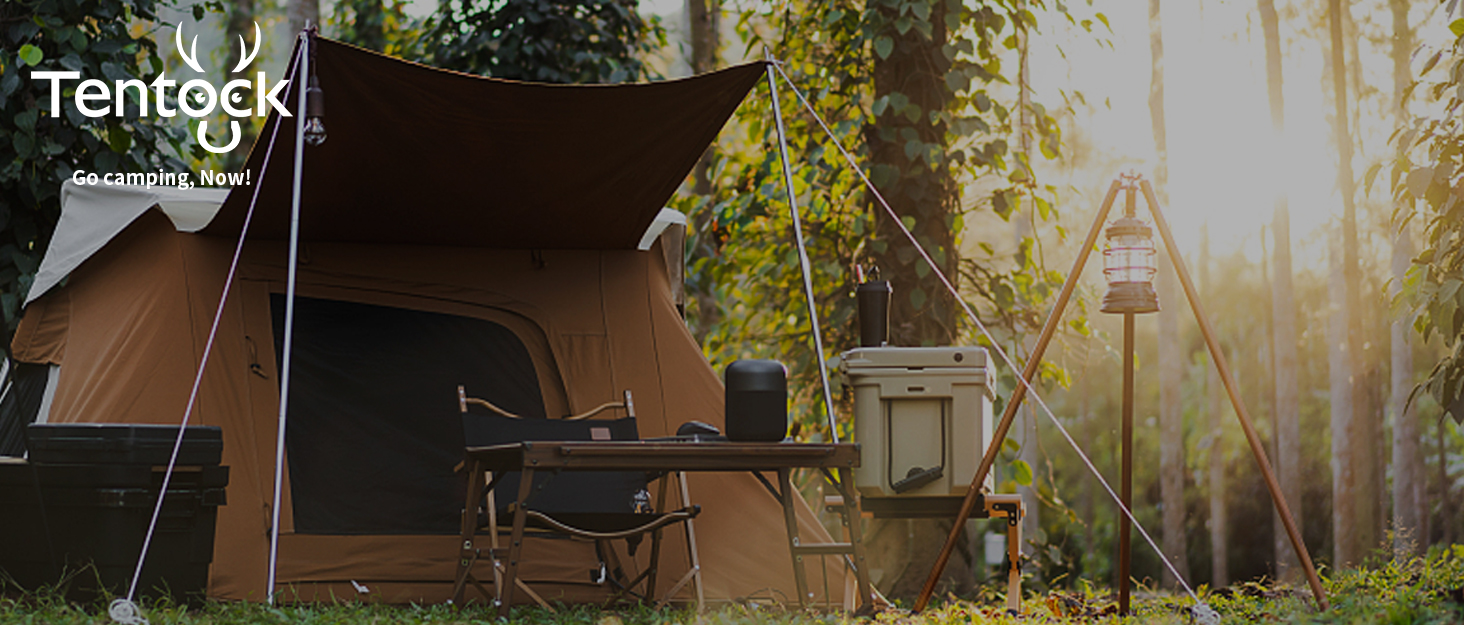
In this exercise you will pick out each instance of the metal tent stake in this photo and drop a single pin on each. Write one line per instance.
(1028, 374)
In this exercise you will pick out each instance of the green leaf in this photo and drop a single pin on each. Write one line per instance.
(917, 298)
(1418, 181)
(119, 139)
(1371, 176)
(880, 104)
(1022, 472)
(921, 10)
(883, 46)
(1457, 27)
(31, 55)
(1432, 61)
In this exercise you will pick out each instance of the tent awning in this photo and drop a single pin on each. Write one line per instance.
(418, 155)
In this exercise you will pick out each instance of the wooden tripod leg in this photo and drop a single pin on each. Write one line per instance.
(1257, 449)
(1010, 412)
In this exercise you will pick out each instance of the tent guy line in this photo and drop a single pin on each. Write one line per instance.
(1202, 611)
(124, 610)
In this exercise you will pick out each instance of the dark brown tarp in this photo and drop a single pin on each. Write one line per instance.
(419, 155)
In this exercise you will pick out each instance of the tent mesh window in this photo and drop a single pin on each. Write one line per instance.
(374, 429)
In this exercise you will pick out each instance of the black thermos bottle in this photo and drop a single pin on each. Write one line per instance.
(874, 313)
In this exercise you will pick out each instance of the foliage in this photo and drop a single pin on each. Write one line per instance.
(555, 41)
(1421, 590)
(101, 39)
(377, 25)
(1428, 182)
(743, 274)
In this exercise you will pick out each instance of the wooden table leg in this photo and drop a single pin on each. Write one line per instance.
(468, 552)
(660, 506)
(515, 542)
(852, 519)
(1012, 509)
(790, 517)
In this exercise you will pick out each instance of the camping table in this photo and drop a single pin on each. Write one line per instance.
(667, 457)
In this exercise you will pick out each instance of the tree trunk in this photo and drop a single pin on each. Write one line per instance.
(921, 312)
(1407, 463)
(302, 13)
(1283, 316)
(705, 17)
(241, 24)
(1358, 460)
(1032, 520)
(1446, 509)
(1214, 402)
(1339, 371)
(1171, 352)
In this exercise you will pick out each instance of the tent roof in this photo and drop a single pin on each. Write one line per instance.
(93, 215)
(419, 155)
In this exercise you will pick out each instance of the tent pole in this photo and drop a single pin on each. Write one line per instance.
(274, 525)
(823, 370)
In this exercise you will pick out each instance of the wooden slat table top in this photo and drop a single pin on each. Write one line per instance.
(664, 456)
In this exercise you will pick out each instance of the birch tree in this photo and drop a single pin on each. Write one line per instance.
(1283, 313)
(1407, 463)
(1353, 463)
(1171, 355)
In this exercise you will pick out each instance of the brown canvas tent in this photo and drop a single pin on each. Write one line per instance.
(455, 230)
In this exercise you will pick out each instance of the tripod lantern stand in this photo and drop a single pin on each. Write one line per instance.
(1129, 270)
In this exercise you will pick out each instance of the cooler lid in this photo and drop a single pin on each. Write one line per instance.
(915, 358)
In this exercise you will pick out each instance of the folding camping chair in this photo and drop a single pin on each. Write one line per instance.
(601, 506)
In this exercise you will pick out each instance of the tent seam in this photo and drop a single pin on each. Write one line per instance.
(656, 348)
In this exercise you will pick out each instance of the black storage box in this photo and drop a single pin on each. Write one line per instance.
(122, 443)
(81, 525)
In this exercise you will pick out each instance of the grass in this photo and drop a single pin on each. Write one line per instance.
(1422, 591)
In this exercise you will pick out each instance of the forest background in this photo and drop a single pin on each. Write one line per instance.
(1305, 152)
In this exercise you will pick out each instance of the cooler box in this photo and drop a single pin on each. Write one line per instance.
(82, 524)
(922, 417)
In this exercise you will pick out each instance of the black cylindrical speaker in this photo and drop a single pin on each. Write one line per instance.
(757, 400)
(873, 299)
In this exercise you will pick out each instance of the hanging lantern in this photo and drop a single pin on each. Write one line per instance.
(1129, 266)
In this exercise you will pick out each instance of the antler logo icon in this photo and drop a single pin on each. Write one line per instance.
(245, 58)
(191, 58)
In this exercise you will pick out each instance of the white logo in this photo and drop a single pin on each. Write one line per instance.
(197, 98)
